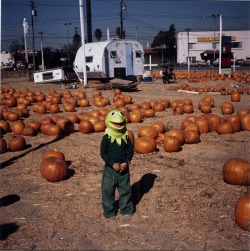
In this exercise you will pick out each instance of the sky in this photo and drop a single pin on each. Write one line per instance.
(142, 19)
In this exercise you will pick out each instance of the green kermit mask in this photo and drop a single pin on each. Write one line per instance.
(116, 126)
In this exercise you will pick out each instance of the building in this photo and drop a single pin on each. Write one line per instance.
(205, 45)
(6, 58)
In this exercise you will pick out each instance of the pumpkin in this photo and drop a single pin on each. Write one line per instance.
(73, 118)
(54, 108)
(54, 130)
(191, 137)
(53, 169)
(117, 92)
(188, 108)
(99, 126)
(227, 108)
(29, 131)
(159, 107)
(17, 127)
(85, 126)
(84, 102)
(131, 136)
(128, 99)
(145, 145)
(3, 146)
(147, 131)
(13, 116)
(97, 93)
(209, 99)
(235, 121)
(192, 126)
(235, 96)
(242, 112)
(213, 122)
(242, 211)
(159, 126)
(44, 128)
(41, 109)
(171, 144)
(202, 124)
(177, 133)
(17, 143)
(146, 105)
(165, 102)
(55, 99)
(66, 125)
(54, 153)
(205, 107)
(135, 117)
(236, 171)
(245, 122)
(68, 107)
(225, 128)
(5, 126)
(148, 113)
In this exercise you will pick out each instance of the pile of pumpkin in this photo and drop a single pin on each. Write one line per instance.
(200, 76)
(222, 90)
(236, 171)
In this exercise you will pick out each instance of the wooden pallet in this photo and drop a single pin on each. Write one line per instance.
(123, 85)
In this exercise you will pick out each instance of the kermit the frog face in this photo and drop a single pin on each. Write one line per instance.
(115, 120)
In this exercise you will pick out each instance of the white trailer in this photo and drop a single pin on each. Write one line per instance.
(113, 58)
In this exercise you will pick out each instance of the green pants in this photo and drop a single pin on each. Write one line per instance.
(110, 181)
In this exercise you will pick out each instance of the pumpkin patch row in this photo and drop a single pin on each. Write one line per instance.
(222, 90)
(200, 76)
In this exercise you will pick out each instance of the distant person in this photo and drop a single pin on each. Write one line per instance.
(117, 152)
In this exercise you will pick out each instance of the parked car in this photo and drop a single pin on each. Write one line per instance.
(7, 67)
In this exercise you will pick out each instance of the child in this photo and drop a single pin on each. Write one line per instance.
(117, 152)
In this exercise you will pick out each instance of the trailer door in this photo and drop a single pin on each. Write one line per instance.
(129, 59)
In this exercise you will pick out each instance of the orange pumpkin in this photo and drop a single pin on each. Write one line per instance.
(145, 145)
(236, 171)
(242, 211)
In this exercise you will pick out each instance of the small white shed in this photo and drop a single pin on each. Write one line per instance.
(113, 58)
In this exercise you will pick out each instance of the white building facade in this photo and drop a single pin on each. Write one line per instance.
(206, 45)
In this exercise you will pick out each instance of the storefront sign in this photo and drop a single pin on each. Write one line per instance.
(209, 39)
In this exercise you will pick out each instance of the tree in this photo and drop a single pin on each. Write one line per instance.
(15, 48)
(167, 39)
(118, 32)
(98, 34)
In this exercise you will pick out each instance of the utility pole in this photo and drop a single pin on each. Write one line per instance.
(89, 20)
(25, 32)
(214, 44)
(122, 7)
(41, 33)
(68, 24)
(220, 43)
(188, 29)
(33, 13)
(85, 82)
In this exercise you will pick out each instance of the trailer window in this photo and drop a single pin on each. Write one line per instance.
(89, 59)
(115, 57)
(48, 76)
(138, 54)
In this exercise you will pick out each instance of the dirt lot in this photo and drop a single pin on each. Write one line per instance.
(182, 202)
